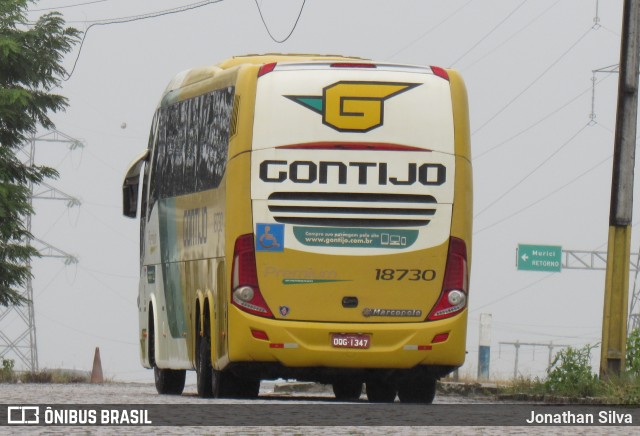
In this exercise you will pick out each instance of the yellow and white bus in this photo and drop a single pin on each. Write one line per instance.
(305, 217)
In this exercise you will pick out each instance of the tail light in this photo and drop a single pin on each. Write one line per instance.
(266, 69)
(440, 72)
(455, 286)
(245, 292)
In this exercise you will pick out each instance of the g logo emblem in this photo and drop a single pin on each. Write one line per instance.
(353, 106)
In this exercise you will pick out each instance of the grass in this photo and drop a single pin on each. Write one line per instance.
(618, 390)
(55, 376)
(9, 375)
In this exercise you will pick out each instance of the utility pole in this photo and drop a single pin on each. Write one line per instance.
(616, 295)
(20, 339)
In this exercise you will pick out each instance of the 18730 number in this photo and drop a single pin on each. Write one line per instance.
(405, 274)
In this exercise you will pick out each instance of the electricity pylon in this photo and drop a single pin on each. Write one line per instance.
(20, 341)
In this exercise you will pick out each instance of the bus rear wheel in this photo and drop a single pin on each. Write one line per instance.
(169, 381)
(380, 391)
(417, 391)
(347, 390)
(204, 369)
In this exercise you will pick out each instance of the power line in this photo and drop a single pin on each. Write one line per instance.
(530, 173)
(519, 31)
(121, 276)
(92, 275)
(85, 332)
(544, 118)
(447, 18)
(540, 76)
(497, 324)
(45, 287)
(53, 225)
(511, 294)
(97, 219)
(267, 27)
(505, 19)
(68, 6)
(550, 114)
(129, 19)
(540, 200)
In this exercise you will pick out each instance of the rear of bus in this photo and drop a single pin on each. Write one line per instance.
(358, 260)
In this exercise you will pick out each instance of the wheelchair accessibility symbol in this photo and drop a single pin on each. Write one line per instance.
(270, 237)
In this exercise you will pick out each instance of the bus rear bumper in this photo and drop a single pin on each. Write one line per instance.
(310, 344)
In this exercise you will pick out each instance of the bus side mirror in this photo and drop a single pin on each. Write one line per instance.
(131, 185)
(130, 196)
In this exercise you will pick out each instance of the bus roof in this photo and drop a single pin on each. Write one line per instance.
(258, 59)
(197, 74)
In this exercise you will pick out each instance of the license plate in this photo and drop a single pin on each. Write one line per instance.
(350, 340)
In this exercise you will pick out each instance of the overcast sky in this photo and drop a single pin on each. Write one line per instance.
(542, 165)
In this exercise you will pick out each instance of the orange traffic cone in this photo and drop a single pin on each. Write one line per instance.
(96, 372)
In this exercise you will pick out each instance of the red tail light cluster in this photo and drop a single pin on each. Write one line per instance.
(440, 72)
(455, 286)
(266, 69)
(245, 292)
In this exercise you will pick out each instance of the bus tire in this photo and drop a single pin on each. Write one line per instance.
(380, 391)
(216, 384)
(347, 390)
(204, 368)
(169, 381)
(417, 391)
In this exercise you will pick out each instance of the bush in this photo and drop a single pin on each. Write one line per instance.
(36, 377)
(571, 374)
(7, 375)
(633, 354)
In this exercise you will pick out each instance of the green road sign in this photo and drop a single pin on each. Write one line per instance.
(539, 258)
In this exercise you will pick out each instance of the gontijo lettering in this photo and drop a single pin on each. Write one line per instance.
(362, 173)
(195, 226)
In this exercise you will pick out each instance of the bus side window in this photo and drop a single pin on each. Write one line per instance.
(155, 142)
(145, 192)
(190, 145)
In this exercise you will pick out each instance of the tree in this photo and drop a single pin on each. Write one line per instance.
(30, 68)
